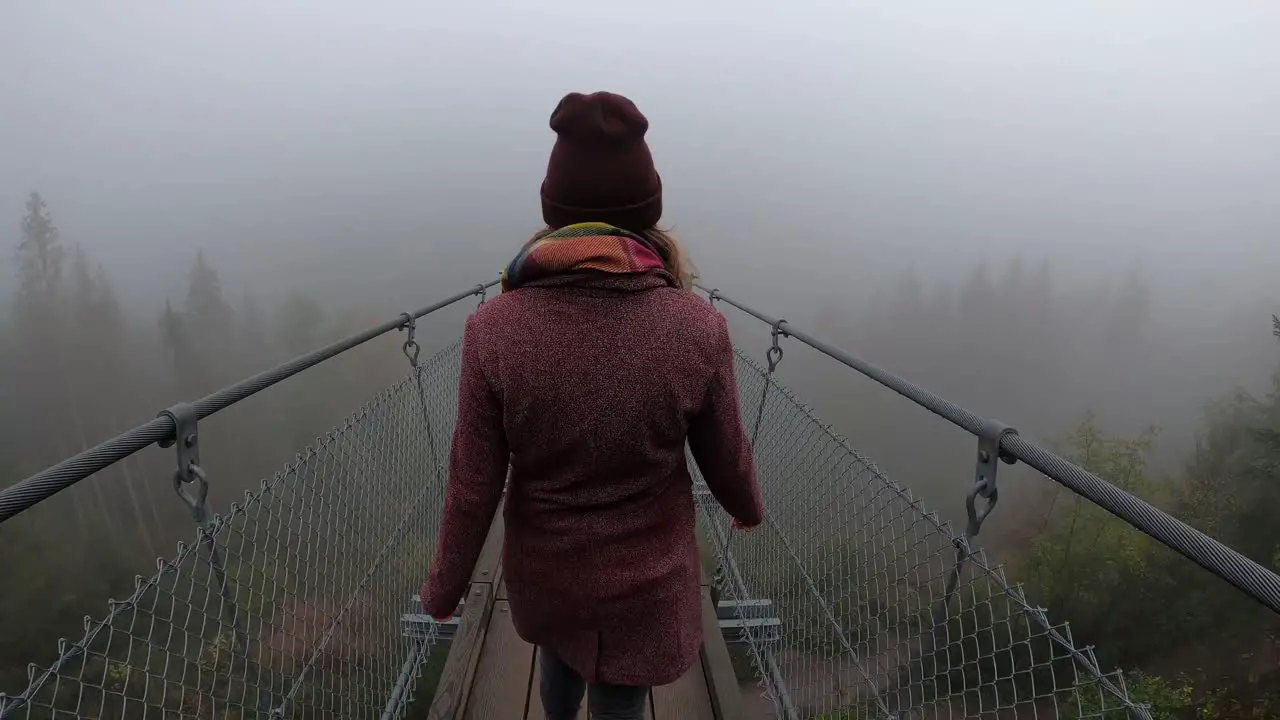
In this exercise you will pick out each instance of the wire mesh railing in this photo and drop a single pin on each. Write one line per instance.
(874, 614)
(874, 618)
(997, 441)
(288, 604)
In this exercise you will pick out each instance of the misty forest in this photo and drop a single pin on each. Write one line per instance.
(1105, 282)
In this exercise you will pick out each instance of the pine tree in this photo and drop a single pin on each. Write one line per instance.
(207, 320)
(173, 336)
(47, 342)
(38, 320)
(252, 333)
(81, 284)
(1131, 313)
(40, 261)
(104, 383)
(106, 302)
(208, 312)
(977, 296)
(300, 321)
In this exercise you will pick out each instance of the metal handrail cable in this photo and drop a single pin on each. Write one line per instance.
(35, 489)
(1248, 576)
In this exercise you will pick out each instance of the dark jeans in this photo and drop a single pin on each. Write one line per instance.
(563, 688)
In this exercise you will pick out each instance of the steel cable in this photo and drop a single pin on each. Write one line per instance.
(56, 478)
(1226, 563)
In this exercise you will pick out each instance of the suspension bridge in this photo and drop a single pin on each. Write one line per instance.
(853, 600)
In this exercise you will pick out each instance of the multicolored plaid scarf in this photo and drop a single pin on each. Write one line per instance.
(584, 247)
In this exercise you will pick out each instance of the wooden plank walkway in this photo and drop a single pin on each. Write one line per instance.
(491, 674)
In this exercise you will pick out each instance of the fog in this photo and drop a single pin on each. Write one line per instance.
(895, 177)
(801, 143)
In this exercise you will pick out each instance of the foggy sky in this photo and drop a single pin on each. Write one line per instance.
(364, 147)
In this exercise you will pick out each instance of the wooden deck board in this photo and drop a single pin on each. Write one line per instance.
(717, 666)
(684, 699)
(464, 653)
(501, 685)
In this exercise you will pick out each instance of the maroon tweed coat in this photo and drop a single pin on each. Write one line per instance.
(593, 385)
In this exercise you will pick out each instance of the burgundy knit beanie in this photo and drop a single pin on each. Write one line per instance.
(600, 168)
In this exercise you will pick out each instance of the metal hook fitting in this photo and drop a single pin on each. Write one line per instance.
(483, 292)
(989, 438)
(976, 517)
(186, 439)
(990, 435)
(411, 348)
(774, 354)
(713, 296)
(194, 500)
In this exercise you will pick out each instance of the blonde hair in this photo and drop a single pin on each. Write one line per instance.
(669, 249)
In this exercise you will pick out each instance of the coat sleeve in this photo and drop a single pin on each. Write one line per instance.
(477, 474)
(719, 442)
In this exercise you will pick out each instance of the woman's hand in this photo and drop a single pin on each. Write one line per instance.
(422, 598)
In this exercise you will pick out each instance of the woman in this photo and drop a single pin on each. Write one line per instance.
(588, 374)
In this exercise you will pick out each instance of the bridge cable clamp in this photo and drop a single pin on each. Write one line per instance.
(774, 355)
(713, 296)
(411, 348)
(990, 453)
(483, 292)
(189, 479)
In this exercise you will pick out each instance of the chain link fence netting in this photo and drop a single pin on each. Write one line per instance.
(846, 582)
(290, 604)
(319, 564)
